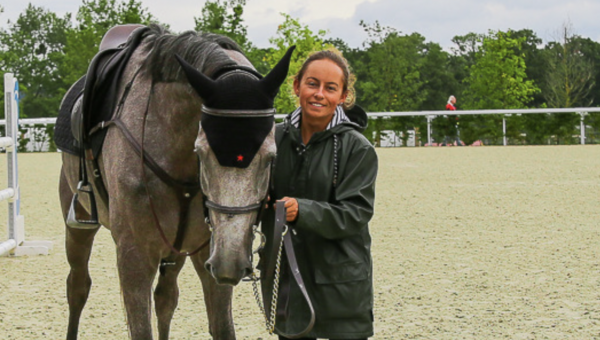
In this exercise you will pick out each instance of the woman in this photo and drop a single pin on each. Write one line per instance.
(325, 173)
(450, 105)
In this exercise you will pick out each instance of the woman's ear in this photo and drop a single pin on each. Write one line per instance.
(297, 87)
(344, 96)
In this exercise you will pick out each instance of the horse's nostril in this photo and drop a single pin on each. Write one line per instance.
(247, 272)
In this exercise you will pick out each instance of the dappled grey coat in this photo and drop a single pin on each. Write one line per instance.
(331, 239)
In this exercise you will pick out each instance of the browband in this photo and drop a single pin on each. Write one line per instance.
(239, 113)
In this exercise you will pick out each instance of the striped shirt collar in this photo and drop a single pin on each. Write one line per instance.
(339, 116)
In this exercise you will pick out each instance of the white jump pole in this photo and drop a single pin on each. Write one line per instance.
(16, 244)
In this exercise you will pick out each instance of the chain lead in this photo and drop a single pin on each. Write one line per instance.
(270, 319)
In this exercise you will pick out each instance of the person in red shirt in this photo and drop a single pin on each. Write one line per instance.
(451, 101)
(451, 107)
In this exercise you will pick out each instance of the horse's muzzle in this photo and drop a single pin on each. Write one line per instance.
(228, 273)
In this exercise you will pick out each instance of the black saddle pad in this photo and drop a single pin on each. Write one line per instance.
(63, 137)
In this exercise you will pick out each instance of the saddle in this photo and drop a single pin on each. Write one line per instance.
(102, 83)
(94, 104)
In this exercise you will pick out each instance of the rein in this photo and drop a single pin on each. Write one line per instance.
(185, 191)
(184, 199)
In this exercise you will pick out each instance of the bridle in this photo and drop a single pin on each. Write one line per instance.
(209, 205)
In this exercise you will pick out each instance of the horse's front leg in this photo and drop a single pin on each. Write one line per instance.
(136, 274)
(166, 295)
(217, 299)
(78, 246)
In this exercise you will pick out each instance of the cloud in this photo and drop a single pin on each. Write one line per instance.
(437, 20)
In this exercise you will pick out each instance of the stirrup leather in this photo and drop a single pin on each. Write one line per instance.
(72, 220)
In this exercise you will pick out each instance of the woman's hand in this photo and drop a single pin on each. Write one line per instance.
(291, 205)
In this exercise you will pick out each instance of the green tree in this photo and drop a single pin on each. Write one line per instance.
(591, 49)
(393, 77)
(94, 18)
(497, 80)
(467, 47)
(535, 126)
(32, 48)
(437, 71)
(535, 59)
(2, 97)
(570, 73)
(292, 32)
(569, 83)
(226, 18)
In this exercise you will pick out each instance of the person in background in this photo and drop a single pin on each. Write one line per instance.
(325, 173)
(450, 105)
(453, 122)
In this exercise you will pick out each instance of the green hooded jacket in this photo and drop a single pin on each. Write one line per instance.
(331, 235)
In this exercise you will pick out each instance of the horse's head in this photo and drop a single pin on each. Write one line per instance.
(236, 148)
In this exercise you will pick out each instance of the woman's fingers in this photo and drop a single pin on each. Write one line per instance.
(291, 205)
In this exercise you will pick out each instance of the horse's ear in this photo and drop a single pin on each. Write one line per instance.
(204, 86)
(272, 81)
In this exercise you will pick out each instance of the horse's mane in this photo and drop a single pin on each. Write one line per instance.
(203, 50)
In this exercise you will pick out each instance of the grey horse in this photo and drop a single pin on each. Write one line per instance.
(174, 83)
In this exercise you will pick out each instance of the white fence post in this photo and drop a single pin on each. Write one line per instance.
(16, 244)
(504, 130)
(582, 127)
(429, 119)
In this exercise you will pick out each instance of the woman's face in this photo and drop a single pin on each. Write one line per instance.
(320, 90)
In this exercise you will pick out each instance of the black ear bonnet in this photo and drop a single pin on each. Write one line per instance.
(236, 138)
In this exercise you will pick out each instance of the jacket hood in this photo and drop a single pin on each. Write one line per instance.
(358, 116)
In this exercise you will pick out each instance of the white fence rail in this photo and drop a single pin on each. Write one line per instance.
(15, 244)
(430, 115)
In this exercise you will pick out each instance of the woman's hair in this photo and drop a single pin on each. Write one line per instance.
(335, 56)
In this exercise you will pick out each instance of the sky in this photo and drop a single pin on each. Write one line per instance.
(437, 20)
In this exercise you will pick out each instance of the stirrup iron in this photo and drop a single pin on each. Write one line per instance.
(72, 220)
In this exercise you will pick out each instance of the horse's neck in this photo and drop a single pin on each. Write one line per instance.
(178, 107)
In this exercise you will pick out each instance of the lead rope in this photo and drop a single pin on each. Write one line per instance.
(270, 319)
